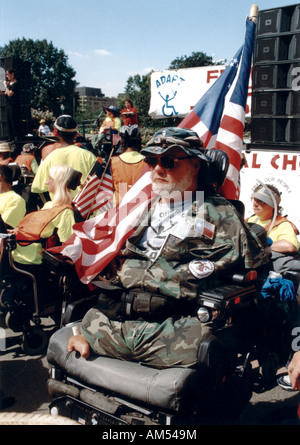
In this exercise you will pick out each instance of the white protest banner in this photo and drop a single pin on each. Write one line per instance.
(175, 92)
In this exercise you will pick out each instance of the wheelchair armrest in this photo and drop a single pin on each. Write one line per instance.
(291, 274)
(58, 263)
(76, 310)
(220, 299)
(241, 277)
(9, 241)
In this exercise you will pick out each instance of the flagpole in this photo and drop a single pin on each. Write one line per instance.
(253, 13)
(100, 182)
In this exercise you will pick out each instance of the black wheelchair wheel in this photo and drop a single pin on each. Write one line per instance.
(13, 322)
(35, 341)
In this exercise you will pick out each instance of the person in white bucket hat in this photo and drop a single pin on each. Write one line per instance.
(266, 200)
(5, 153)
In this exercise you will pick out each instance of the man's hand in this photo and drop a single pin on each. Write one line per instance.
(294, 370)
(78, 343)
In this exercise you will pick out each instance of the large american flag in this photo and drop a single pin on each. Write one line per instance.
(216, 118)
(219, 116)
(97, 192)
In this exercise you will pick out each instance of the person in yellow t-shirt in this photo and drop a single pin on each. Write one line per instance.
(58, 186)
(267, 213)
(70, 154)
(111, 122)
(29, 257)
(12, 205)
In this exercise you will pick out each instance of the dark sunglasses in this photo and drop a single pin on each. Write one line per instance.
(259, 202)
(167, 162)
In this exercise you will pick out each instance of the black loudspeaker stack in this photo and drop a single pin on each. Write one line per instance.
(275, 112)
(24, 78)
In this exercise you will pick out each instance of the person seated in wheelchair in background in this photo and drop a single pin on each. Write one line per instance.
(267, 213)
(12, 205)
(112, 122)
(280, 292)
(46, 227)
(182, 246)
(27, 158)
(283, 233)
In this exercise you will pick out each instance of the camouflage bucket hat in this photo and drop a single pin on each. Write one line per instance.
(174, 137)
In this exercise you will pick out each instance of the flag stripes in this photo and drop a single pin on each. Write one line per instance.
(219, 116)
(97, 192)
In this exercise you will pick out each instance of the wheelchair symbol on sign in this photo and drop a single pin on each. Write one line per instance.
(168, 110)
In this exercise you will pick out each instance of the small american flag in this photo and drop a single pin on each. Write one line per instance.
(98, 240)
(97, 193)
(219, 116)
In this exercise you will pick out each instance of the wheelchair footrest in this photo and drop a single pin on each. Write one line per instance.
(81, 412)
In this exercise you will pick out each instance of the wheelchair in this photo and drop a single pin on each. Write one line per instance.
(108, 391)
(24, 304)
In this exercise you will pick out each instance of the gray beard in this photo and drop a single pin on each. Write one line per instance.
(163, 189)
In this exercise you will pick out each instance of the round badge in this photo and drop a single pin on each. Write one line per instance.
(201, 268)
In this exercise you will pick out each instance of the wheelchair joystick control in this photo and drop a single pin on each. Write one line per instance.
(75, 330)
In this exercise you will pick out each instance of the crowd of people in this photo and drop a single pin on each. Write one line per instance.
(185, 245)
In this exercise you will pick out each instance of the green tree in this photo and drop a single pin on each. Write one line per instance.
(52, 78)
(195, 59)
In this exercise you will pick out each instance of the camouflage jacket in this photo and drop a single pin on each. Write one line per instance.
(217, 240)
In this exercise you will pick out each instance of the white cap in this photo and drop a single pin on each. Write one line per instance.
(265, 195)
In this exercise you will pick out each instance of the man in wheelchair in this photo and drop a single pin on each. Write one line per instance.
(147, 312)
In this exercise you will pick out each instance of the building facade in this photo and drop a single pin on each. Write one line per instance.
(93, 99)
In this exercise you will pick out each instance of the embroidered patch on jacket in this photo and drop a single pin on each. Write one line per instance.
(205, 228)
(201, 268)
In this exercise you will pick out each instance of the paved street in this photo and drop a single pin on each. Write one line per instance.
(24, 378)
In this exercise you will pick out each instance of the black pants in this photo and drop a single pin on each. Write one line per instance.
(13, 121)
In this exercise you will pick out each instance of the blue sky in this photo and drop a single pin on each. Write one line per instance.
(106, 42)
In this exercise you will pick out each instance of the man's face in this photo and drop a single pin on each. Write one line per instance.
(182, 178)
